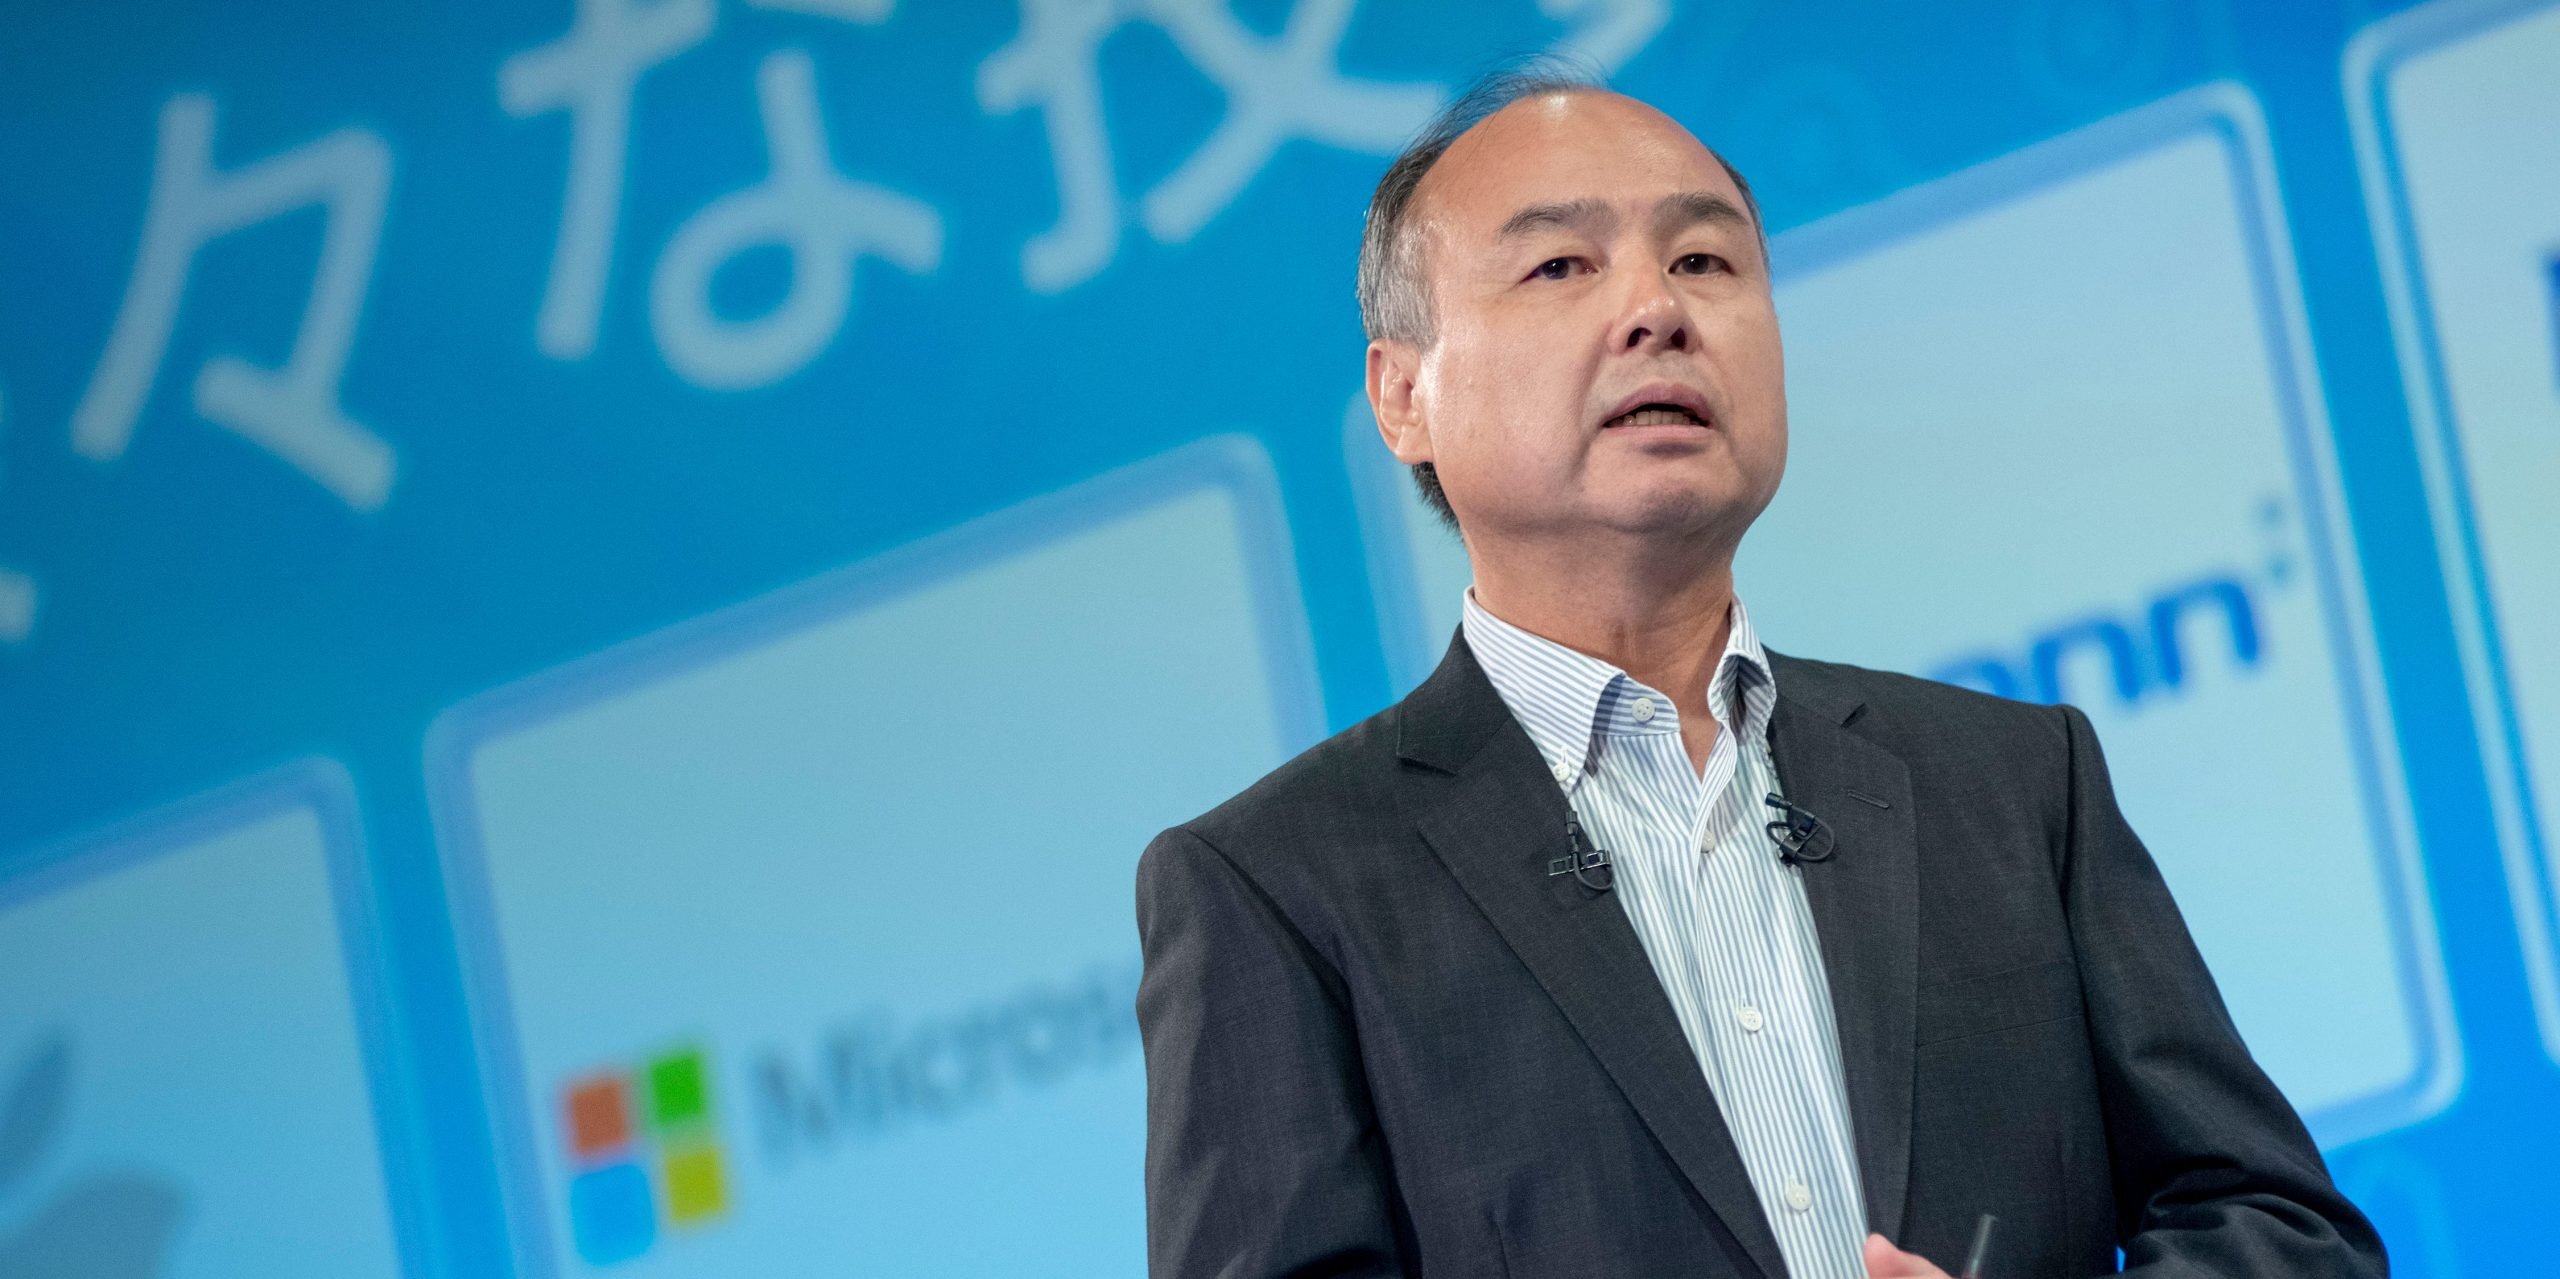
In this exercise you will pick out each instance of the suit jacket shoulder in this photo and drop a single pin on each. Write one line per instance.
(1963, 747)
(1313, 837)
(1914, 717)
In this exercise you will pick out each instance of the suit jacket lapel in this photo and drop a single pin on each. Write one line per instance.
(1865, 902)
(1484, 802)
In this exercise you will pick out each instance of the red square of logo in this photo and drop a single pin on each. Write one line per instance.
(599, 1115)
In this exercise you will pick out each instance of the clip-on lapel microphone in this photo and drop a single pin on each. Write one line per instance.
(1583, 862)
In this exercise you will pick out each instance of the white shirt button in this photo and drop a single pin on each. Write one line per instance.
(1799, 1196)
(1750, 1018)
(1642, 710)
(1564, 772)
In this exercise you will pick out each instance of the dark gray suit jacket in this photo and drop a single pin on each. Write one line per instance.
(1382, 1040)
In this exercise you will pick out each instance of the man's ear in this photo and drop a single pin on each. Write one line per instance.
(1392, 367)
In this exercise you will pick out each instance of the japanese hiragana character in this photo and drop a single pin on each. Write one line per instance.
(824, 219)
(292, 411)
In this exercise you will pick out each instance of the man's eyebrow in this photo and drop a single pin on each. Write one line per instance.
(1586, 214)
(1688, 208)
(1671, 214)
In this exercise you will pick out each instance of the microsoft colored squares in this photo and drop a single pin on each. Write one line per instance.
(642, 1149)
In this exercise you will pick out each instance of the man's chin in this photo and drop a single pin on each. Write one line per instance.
(1677, 514)
(1670, 508)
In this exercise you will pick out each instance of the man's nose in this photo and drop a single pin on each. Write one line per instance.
(1654, 320)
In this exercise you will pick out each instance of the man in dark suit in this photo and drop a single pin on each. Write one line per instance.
(1624, 946)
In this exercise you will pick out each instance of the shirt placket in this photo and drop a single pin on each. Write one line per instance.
(1728, 986)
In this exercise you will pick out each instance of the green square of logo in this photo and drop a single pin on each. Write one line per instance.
(677, 1094)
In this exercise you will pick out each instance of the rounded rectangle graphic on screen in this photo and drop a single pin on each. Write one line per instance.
(2054, 435)
(190, 1078)
(801, 936)
(2455, 107)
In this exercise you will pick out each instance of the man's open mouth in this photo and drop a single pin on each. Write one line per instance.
(1655, 414)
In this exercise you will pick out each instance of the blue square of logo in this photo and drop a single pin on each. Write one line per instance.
(611, 1213)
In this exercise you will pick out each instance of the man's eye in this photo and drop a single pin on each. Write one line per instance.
(1701, 264)
(1553, 269)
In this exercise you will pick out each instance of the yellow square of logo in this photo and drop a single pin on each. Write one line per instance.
(696, 1185)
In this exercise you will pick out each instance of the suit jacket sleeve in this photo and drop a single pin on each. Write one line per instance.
(1263, 1154)
(2214, 1173)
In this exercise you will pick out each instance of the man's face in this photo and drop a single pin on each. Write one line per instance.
(1585, 255)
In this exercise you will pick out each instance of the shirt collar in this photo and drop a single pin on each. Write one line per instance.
(1565, 698)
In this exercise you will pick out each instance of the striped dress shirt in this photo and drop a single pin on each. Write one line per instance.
(1724, 921)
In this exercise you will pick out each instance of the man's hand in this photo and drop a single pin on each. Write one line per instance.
(1884, 1261)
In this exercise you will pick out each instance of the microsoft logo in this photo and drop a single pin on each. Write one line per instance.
(641, 1147)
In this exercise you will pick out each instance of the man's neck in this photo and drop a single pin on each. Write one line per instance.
(1662, 620)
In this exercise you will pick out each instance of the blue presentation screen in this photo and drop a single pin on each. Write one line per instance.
(597, 599)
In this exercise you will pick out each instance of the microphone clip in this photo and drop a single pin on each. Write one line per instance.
(1586, 863)
(1801, 836)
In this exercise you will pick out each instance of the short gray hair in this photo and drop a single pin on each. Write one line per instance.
(1395, 297)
